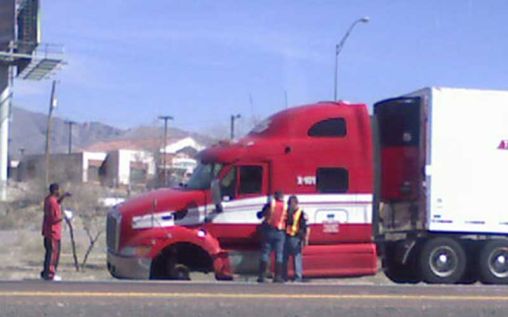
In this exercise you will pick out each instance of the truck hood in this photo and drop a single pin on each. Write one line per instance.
(163, 200)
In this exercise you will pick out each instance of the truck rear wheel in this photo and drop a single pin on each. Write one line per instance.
(442, 261)
(401, 273)
(493, 262)
(398, 272)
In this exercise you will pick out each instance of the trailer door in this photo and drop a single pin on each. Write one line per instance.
(401, 145)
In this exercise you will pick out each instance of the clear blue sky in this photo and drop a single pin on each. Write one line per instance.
(131, 60)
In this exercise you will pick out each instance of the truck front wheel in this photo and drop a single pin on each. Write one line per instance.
(166, 268)
(442, 261)
(493, 262)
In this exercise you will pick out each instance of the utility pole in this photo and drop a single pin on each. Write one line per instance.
(338, 49)
(70, 124)
(232, 127)
(52, 106)
(165, 119)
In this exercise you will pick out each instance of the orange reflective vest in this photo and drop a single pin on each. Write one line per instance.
(295, 227)
(277, 215)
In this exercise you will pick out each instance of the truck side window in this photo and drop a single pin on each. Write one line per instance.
(333, 127)
(332, 180)
(228, 184)
(251, 179)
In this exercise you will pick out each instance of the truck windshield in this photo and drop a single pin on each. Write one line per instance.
(203, 175)
(261, 127)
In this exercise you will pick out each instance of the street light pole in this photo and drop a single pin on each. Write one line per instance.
(165, 119)
(70, 124)
(52, 106)
(232, 127)
(338, 49)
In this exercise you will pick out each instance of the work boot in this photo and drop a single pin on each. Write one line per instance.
(279, 273)
(262, 271)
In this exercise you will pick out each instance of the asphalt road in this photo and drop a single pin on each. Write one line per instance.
(39, 298)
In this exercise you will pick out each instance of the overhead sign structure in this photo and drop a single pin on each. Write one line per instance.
(7, 33)
(20, 49)
(28, 21)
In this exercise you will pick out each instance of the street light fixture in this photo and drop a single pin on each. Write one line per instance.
(233, 118)
(338, 49)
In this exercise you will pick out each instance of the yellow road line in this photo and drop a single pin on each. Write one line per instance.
(257, 296)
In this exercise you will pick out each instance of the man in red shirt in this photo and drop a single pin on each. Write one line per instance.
(52, 231)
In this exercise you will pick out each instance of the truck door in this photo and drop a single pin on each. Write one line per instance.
(244, 189)
(402, 155)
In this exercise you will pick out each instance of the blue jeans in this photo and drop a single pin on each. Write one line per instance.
(293, 246)
(273, 240)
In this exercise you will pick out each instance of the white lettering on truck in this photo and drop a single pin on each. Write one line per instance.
(306, 180)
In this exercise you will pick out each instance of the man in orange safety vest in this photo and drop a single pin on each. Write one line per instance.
(273, 231)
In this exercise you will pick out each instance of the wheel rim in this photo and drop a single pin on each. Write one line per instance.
(498, 262)
(443, 261)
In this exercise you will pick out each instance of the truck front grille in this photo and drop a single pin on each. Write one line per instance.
(113, 230)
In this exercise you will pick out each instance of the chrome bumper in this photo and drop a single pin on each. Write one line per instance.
(129, 267)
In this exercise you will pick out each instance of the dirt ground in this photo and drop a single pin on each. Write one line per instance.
(22, 252)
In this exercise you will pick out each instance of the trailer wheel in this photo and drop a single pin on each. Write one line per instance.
(442, 261)
(493, 262)
(471, 274)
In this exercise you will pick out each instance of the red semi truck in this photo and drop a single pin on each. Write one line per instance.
(403, 184)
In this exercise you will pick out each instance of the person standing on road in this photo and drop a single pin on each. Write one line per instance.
(52, 231)
(297, 236)
(273, 234)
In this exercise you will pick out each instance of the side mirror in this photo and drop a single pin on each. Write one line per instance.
(216, 194)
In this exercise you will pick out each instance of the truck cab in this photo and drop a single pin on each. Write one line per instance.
(322, 153)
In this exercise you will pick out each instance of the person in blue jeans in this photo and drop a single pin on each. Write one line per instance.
(273, 233)
(297, 235)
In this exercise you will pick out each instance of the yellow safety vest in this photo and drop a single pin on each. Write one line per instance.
(295, 227)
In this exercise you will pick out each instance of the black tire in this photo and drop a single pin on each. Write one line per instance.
(493, 262)
(180, 273)
(442, 261)
(471, 274)
(165, 268)
(401, 274)
(397, 272)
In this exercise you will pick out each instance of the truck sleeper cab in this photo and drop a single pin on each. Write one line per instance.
(321, 152)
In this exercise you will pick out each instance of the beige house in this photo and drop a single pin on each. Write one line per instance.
(80, 167)
(117, 163)
(127, 167)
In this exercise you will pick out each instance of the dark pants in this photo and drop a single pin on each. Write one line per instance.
(51, 258)
(273, 240)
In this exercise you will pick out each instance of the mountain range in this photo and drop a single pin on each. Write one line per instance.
(28, 134)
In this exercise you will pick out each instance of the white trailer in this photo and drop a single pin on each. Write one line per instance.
(443, 179)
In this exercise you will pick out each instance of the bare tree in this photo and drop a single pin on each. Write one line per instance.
(93, 225)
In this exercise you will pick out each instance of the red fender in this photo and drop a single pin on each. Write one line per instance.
(161, 238)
